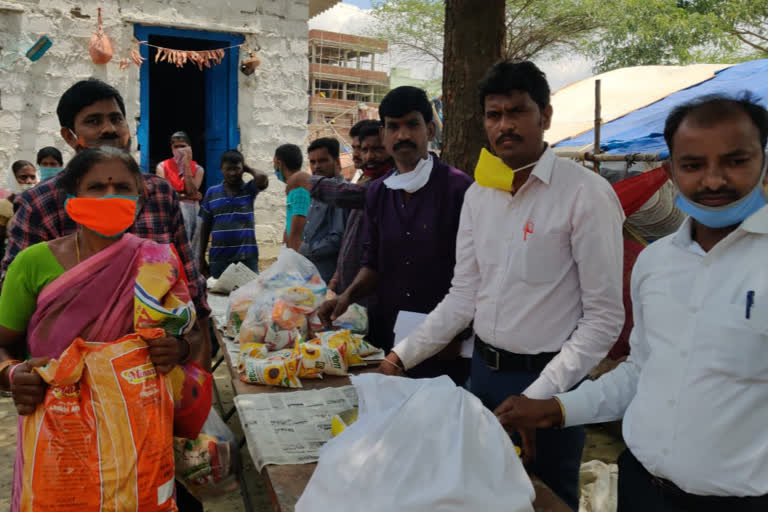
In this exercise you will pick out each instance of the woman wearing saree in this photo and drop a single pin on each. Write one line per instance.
(85, 285)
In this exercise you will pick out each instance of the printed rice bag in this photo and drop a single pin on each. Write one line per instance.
(316, 357)
(118, 441)
(278, 369)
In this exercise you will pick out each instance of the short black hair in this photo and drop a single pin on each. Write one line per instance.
(506, 76)
(290, 155)
(50, 151)
(84, 160)
(715, 107)
(19, 165)
(369, 130)
(403, 100)
(232, 156)
(354, 132)
(83, 94)
(181, 136)
(329, 143)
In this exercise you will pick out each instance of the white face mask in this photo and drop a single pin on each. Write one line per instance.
(414, 180)
(26, 186)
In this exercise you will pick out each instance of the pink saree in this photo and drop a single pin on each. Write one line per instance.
(94, 300)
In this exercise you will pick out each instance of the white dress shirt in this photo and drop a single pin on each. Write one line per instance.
(540, 271)
(694, 390)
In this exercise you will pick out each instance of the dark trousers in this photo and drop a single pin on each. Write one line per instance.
(558, 451)
(639, 491)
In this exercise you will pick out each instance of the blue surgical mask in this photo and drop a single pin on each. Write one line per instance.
(49, 172)
(730, 214)
(279, 174)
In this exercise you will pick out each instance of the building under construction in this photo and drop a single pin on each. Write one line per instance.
(346, 82)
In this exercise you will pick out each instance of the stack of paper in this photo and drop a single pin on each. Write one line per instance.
(235, 276)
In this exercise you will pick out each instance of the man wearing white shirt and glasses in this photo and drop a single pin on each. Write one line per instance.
(538, 268)
(694, 389)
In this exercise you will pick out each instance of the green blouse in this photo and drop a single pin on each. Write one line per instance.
(33, 269)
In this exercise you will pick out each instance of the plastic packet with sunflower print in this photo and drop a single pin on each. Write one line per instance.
(317, 358)
(280, 368)
(333, 339)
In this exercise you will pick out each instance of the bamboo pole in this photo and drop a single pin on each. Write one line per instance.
(598, 122)
(605, 157)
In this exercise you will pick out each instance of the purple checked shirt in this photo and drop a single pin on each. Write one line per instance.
(412, 244)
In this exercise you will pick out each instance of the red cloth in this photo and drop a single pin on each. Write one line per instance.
(634, 192)
(620, 349)
(174, 177)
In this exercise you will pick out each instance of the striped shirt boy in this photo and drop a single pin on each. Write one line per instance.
(233, 237)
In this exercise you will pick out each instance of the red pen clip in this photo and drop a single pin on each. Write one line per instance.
(527, 230)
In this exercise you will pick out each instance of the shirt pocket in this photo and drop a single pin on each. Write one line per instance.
(739, 344)
(545, 257)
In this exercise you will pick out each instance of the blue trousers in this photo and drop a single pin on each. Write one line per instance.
(558, 451)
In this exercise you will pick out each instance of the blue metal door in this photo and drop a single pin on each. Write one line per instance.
(221, 97)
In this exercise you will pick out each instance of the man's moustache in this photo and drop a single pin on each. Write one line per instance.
(404, 144)
(508, 136)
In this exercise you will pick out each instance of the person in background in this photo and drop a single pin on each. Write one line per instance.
(226, 214)
(325, 224)
(186, 177)
(376, 163)
(287, 163)
(692, 393)
(411, 218)
(50, 162)
(357, 159)
(538, 269)
(22, 177)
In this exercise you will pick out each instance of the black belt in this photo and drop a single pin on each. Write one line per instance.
(501, 360)
(675, 496)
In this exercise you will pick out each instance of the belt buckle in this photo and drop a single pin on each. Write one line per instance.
(495, 365)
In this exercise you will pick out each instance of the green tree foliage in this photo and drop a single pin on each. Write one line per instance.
(640, 32)
(533, 26)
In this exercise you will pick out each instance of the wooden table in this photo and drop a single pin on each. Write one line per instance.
(287, 482)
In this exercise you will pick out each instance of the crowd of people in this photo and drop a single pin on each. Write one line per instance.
(528, 259)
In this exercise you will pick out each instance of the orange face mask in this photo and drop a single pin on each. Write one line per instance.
(108, 216)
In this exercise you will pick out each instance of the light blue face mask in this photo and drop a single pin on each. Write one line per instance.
(730, 214)
(279, 175)
(49, 172)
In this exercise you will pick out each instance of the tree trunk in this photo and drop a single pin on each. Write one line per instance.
(474, 40)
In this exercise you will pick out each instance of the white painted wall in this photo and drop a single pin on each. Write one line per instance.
(272, 102)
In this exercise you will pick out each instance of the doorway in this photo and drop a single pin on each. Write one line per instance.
(202, 103)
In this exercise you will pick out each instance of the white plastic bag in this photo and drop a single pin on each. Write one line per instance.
(206, 466)
(418, 446)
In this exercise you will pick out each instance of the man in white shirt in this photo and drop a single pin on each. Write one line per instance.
(694, 389)
(539, 270)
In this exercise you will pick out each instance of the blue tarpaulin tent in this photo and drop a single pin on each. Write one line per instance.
(641, 131)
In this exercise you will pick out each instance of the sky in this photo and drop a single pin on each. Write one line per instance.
(352, 17)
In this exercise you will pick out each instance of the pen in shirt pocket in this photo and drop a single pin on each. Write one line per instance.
(750, 303)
